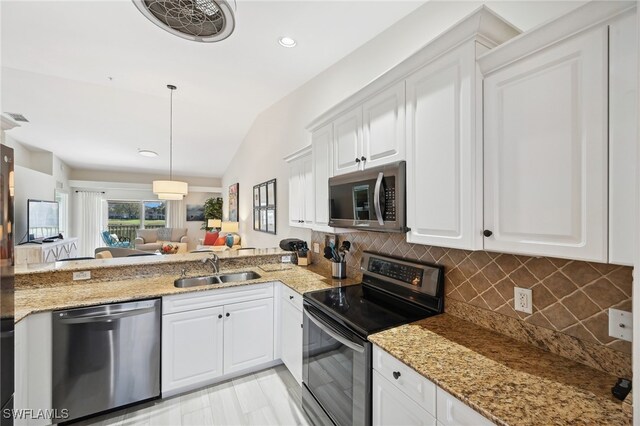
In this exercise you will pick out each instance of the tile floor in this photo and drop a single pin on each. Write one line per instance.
(268, 397)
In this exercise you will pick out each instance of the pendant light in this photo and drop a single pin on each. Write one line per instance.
(170, 189)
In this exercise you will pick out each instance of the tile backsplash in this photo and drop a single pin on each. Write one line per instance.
(570, 297)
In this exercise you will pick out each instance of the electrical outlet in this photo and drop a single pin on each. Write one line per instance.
(287, 258)
(523, 300)
(620, 324)
(82, 275)
(316, 248)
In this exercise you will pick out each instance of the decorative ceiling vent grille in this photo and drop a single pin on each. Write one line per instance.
(17, 117)
(198, 20)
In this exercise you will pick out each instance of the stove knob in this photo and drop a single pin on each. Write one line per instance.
(396, 375)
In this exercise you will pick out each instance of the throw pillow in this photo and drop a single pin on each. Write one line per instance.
(221, 241)
(210, 238)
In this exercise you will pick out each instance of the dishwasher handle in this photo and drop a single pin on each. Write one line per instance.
(83, 319)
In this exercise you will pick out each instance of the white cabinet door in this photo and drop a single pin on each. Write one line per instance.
(322, 171)
(291, 339)
(444, 155)
(453, 412)
(546, 152)
(191, 348)
(248, 334)
(347, 142)
(392, 407)
(307, 188)
(623, 128)
(296, 193)
(383, 119)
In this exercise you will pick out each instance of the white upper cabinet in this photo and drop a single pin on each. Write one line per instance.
(623, 128)
(545, 147)
(301, 188)
(383, 122)
(322, 171)
(347, 142)
(560, 117)
(444, 152)
(371, 134)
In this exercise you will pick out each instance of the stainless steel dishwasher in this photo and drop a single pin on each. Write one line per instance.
(106, 356)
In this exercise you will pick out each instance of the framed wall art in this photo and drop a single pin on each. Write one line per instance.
(233, 202)
(264, 207)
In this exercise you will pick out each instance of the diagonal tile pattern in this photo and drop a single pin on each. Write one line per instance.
(571, 297)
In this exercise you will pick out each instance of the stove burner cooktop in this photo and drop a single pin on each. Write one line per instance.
(393, 292)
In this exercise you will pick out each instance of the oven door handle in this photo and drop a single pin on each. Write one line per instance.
(376, 198)
(333, 333)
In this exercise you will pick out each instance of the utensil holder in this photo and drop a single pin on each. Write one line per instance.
(339, 269)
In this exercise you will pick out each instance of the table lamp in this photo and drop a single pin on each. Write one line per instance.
(214, 223)
(231, 228)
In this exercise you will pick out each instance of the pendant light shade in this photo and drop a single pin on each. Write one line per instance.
(170, 189)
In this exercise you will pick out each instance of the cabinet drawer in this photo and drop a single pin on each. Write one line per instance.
(291, 296)
(418, 388)
(215, 297)
(453, 412)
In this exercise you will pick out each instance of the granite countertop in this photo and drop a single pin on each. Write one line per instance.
(116, 262)
(31, 300)
(509, 382)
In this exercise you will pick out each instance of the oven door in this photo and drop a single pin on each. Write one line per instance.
(372, 199)
(336, 371)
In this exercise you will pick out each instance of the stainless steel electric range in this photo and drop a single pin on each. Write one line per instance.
(336, 353)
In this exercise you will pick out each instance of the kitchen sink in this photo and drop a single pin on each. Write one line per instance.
(216, 279)
(239, 276)
(196, 281)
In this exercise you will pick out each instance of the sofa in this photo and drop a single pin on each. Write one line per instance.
(217, 241)
(151, 240)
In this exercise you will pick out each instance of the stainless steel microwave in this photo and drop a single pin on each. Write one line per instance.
(372, 199)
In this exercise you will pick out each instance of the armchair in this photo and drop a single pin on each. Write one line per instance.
(112, 240)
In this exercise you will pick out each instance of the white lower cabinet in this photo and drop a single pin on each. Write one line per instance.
(194, 354)
(212, 335)
(291, 332)
(248, 334)
(392, 407)
(453, 412)
(401, 396)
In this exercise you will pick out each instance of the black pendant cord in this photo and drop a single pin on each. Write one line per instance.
(172, 88)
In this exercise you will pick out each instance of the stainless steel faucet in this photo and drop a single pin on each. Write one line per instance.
(214, 260)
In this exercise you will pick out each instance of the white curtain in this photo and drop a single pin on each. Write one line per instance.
(89, 221)
(176, 214)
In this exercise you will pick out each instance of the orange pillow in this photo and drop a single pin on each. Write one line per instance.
(210, 238)
(221, 241)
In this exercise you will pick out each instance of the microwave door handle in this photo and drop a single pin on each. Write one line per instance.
(335, 335)
(376, 198)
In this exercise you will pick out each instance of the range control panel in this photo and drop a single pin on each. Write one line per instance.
(415, 275)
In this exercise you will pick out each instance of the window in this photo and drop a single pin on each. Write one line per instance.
(63, 212)
(125, 217)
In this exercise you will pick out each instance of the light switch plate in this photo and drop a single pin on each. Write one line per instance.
(620, 324)
(523, 300)
(82, 275)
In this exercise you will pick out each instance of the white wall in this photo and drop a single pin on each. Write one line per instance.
(37, 175)
(280, 129)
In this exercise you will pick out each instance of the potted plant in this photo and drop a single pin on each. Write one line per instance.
(212, 210)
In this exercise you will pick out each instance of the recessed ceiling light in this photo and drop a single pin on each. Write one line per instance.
(147, 153)
(287, 42)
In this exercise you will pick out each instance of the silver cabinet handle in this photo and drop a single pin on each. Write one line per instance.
(376, 198)
(106, 317)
